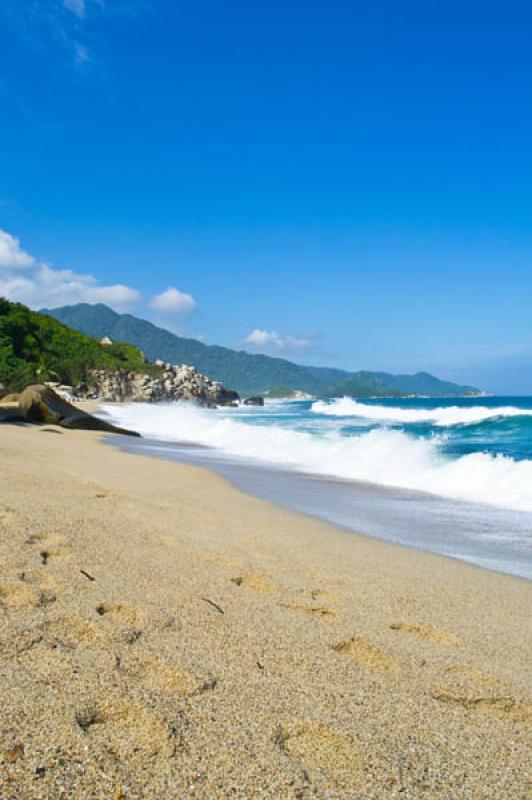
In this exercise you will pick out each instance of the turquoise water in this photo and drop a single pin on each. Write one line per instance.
(499, 434)
(453, 476)
(504, 432)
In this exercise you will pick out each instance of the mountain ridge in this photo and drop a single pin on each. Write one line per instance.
(248, 373)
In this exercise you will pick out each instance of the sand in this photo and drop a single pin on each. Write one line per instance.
(163, 635)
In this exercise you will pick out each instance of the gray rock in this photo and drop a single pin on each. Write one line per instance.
(176, 383)
(254, 401)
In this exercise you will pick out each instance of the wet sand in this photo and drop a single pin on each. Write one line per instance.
(163, 635)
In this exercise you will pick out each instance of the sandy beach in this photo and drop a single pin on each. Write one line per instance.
(163, 635)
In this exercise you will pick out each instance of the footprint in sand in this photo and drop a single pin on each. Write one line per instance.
(324, 595)
(121, 613)
(159, 676)
(311, 608)
(19, 595)
(71, 631)
(256, 581)
(122, 616)
(261, 583)
(314, 746)
(365, 653)
(123, 621)
(125, 728)
(51, 547)
(129, 623)
(49, 665)
(39, 578)
(467, 687)
(427, 632)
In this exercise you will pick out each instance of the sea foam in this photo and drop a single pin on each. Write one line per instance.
(443, 416)
(384, 456)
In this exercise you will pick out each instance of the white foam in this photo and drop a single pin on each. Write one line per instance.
(382, 456)
(442, 417)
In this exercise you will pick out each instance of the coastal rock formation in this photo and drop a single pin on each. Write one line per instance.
(254, 401)
(174, 383)
(40, 403)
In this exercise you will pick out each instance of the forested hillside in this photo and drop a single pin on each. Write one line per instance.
(35, 347)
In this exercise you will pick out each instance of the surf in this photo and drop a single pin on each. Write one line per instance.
(444, 416)
(383, 456)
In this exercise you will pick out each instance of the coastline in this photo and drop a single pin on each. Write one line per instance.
(416, 520)
(227, 645)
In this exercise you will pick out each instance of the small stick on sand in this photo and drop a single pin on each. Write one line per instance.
(90, 577)
(213, 604)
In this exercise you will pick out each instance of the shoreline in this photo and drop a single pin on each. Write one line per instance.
(329, 664)
(335, 501)
(397, 484)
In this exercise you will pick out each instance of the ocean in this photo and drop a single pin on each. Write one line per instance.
(451, 476)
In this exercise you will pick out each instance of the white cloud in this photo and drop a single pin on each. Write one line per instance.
(12, 256)
(271, 341)
(25, 279)
(172, 301)
(76, 6)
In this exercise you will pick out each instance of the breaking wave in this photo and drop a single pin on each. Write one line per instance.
(442, 417)
(383, 456)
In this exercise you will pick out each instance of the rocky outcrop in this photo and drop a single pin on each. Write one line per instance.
(39, 403)
(254, 401)
(3, 391)
(174, 383)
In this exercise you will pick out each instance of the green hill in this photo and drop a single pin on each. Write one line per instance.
(35, 347)
(246, 372)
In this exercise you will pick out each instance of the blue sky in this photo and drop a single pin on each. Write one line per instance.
(346, 183)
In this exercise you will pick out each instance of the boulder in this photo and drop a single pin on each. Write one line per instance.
(3, 390)
(40, 403)
(221, 396)
(10, 398)
(254, 401)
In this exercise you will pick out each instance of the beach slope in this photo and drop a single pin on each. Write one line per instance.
(164, 635)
